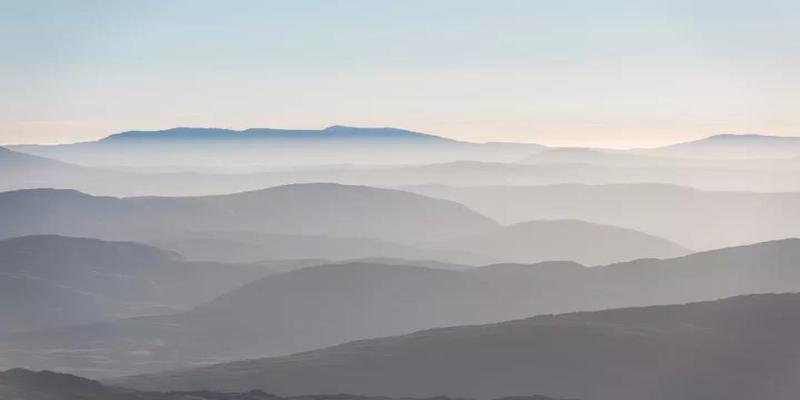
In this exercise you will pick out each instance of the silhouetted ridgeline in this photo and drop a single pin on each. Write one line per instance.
(332, 133)
(571, 240)
(191, 161)
(462, 285)
(187, 146)
(331, 304)
(320, 220)
(22, 384)
(742, 348)
(697, 219)
(199, 147)
(530, 242)
(303, 209)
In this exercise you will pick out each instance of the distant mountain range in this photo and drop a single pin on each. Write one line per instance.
(389, 134)
(741, 348)
(332, 133)
(22, 384)
(302, 209)
(205, 147)
(303, 246)
(225, 166)
(650, 208)
(328, 221)
(259, 147)
(330, 304)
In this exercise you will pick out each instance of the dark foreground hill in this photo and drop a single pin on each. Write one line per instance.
(22, 384)
(332, 304)
(50, 280)
(741, 348)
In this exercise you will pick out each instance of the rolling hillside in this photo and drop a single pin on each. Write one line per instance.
(302, 209)
(548, 240)
(740, 348)
(48, 281)
(331, 304)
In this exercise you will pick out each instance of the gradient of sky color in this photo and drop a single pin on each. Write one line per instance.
(585, 72)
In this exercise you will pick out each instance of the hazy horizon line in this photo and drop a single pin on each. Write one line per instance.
(543, 143)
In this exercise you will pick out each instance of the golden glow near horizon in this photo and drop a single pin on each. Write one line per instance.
(618, 74)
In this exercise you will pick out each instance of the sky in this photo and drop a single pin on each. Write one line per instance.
(608, 73)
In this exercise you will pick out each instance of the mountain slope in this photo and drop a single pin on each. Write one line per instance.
(693, 218)
(46, 385)
(48, 281)
(734, 146)
(299, 310)
(302, 209)
(250, 247)
(735, 349)
(20, 170)
(582, 242)
(341, 210)
(332, 304)
(14, 161)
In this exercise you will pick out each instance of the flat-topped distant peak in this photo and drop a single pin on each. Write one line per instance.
(329, 133)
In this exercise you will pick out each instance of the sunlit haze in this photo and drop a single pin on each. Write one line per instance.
(579, 73)
(399, 200)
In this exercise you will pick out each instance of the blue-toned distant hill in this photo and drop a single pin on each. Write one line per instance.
(203, 161)
(332, 133)
(215, 148)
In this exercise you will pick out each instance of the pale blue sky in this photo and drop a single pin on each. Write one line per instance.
(607, 73)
